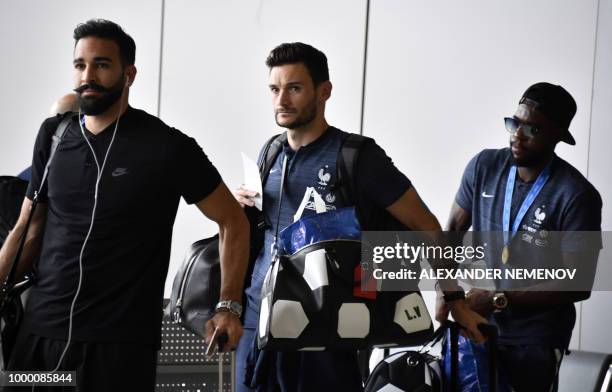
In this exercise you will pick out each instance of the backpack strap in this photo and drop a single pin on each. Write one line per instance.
(257, 220)
(346, 168)
(9, 281)
(272, 148)
(370, 217)
(55, 142)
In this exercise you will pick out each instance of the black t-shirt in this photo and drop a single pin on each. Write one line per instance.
(125, 262)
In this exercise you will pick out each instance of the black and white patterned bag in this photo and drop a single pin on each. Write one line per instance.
(311, 300)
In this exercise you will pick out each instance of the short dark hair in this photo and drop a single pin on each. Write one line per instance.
(298, 52)
(106, 29)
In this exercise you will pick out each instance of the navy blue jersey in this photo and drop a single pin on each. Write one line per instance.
(314, 166)
(567, 203)
(26, 174)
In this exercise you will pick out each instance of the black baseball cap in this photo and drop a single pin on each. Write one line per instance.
(555, 102)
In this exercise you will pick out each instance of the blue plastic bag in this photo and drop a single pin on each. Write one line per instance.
(331, 225)
(473, 367)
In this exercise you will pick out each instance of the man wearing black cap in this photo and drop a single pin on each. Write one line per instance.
(526, 193)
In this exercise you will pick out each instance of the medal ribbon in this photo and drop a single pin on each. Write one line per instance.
(529, 199)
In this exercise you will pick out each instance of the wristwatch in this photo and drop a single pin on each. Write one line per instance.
(234, 307)
(500, 301)
(454, 295)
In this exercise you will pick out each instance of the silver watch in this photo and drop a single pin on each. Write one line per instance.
(500, 301)
(233, 307)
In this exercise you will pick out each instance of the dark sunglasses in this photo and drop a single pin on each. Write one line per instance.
(512, 125)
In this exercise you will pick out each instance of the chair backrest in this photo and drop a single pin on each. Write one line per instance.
(182, 364)
(585, 371)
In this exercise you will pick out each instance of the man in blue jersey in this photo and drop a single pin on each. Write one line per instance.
(300, 87)
(528, 192)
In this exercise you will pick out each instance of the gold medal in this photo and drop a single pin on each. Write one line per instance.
(505, 254)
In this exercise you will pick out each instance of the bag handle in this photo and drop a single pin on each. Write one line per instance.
(437, 336)
(491, 332)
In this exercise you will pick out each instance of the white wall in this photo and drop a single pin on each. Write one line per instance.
(596, 312)
(440, 78)
(36, 69)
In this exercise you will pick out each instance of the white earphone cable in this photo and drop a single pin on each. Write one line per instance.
(91, 223)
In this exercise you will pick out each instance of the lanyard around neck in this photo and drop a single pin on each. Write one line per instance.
(529, 199)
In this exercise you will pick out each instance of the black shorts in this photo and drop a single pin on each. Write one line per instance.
(99, 366)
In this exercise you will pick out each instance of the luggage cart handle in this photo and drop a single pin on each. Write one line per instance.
(488, 330)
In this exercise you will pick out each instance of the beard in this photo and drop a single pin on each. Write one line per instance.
(308, 114)
(526, 161)
(93, 106)
(531, 158)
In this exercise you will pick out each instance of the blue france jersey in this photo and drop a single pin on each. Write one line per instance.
(568, 202)
(314, 166)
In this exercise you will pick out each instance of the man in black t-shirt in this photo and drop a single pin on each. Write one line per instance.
(546, 206)
(103, 228)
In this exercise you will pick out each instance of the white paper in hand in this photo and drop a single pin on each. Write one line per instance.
(252, 180)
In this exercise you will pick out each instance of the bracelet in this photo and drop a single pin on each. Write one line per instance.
(453, 296)
(228, 310)
(234, 307)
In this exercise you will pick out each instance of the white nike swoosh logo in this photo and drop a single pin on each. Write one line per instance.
(484, 194)
(273, 170)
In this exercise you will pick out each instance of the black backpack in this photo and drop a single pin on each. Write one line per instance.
(12, 192)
